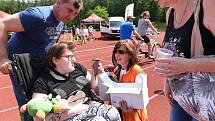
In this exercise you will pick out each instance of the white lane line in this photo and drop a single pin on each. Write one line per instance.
(1, 111)
(12, 108)
(155, 95)
(94, 49)
(5, 87)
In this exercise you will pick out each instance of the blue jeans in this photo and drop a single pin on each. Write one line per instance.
(18, 91)
(20, 95)
(177, 113)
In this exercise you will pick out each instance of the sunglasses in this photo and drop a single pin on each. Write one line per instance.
(120, 52)
(69, 57)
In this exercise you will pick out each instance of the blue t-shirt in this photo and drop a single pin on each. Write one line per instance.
(126, 30)
(41, 29)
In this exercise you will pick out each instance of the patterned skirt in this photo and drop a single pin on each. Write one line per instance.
(195, 93)
(98, 112)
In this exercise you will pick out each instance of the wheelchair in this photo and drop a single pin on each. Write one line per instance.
(27, 68)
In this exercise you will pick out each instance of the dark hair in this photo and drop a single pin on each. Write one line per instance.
(57, 49)
(130, 48)
(78, 4)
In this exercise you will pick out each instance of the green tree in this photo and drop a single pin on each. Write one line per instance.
(102, 8)
(100, 11)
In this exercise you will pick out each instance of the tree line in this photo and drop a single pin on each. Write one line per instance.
(103, 8)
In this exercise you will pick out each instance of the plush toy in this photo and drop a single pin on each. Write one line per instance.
(40, 107)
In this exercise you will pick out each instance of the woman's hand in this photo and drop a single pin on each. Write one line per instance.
(67, 113)
(125, 108)
(172, 66)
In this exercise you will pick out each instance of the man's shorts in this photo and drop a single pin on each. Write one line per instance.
(146, 39)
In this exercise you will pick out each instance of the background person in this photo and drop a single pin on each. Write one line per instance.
(90, 31)
(83, 35)
(181, 34)
(34, 29)
(127, 29)
(77, 33)
(64, 77)
(143, 24)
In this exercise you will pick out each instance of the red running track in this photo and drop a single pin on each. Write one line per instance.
(158, 107)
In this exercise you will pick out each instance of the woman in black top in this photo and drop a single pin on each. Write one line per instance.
(66, 77)
(189, 88)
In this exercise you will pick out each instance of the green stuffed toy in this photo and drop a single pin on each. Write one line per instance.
(41, 107)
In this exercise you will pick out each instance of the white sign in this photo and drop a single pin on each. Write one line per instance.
(129, 11)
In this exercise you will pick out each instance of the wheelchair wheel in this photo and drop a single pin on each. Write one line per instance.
(155, 46)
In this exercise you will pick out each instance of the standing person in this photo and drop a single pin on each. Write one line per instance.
(190, 35)
(73, 30)
(127, 29)
(66, 77)
(77, 33)
(85, 29)
(127, 71)
(82, 35)
(35, 29)
(90, 31)
(143, 24)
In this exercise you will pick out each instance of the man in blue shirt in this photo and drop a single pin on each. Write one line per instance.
(127, 29)
(35, 29)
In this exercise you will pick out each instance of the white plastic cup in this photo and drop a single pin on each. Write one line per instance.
(164, 53)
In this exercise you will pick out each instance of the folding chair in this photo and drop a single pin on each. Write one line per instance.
(27, 67)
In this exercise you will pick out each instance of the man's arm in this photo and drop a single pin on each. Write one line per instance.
(8, 24)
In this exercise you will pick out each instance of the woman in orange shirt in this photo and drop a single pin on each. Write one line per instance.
(127, 71)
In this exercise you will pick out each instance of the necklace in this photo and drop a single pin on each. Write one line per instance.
(185, 9)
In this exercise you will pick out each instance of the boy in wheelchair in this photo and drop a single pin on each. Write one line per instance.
(64, 77)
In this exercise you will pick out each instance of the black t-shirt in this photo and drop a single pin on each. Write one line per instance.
(179, 40)
(58, 84)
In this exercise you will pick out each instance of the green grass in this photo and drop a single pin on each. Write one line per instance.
(161, 26)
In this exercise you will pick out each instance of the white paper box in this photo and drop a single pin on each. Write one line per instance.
(132, 93)
(104, 82)
(135, 94)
